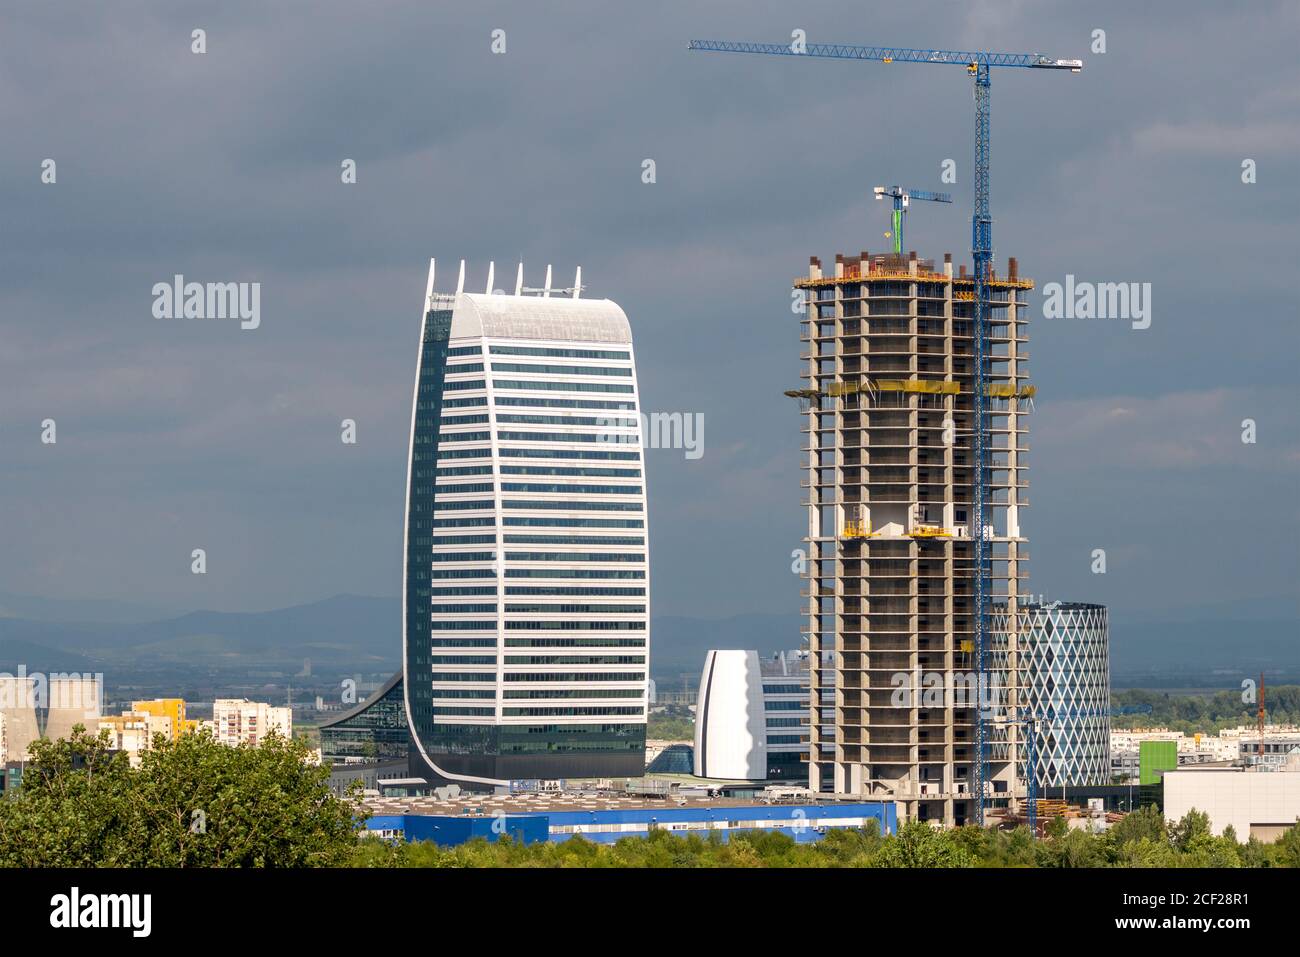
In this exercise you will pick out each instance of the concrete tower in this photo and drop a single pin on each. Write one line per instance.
(888, 452)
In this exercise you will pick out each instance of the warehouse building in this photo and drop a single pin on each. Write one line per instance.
(1260, 804)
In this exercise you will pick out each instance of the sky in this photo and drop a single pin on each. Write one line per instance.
(225, 166)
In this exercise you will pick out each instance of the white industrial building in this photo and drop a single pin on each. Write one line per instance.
(1261, 804)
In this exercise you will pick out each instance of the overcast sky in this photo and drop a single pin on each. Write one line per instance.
(174, 435)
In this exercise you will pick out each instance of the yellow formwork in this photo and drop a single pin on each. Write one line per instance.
(925, 386)
(930, 531)
(918, 385)
(854, 275)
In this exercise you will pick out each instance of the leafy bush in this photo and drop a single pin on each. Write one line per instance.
(193, 802)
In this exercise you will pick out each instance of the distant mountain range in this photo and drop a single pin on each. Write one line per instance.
(360, 633)
(346, 632)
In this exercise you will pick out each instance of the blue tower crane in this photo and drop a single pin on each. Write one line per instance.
(979, 65)
(902, 199)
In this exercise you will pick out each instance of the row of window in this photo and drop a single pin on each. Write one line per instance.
(521, 385)
(538, 676)
(574, 540)
(537, 643)
(610, 438)
(535, 676)
(538, 402)
(575, 557)
(462, 488)
(538, 694)
(574, 506)
(590, 455)
(541, 609)
(540, 369)
(583, 591)
(470, 471)
(573, 711)
(593, 472)
(610, 422)
(558, 353)
(539, 522)
(533, 624)
(536, 625)
(565, 573)
(574, 660)
(544, 488)
(478, 504)
(569, 609)
(577, 591)
(452, 573)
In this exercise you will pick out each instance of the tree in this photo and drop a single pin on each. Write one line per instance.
(1145, 822)
(73, 808)
(193, 802)
(917, 844)
(1287, 847)
(1076, 848)
(1194, 826)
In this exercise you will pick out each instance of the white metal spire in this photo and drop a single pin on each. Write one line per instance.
(460, 282)
(577, 283)
(519, 280)
(546, 290)
(492, 270)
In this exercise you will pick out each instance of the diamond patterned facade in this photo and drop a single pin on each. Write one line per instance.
(1065, 674)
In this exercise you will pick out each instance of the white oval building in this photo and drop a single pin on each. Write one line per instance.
(730, 732)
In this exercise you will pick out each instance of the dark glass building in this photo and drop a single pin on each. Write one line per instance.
(375, 730)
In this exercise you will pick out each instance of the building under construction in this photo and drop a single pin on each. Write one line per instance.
(889, 419)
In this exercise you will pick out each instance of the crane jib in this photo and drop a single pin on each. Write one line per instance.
(843, 51)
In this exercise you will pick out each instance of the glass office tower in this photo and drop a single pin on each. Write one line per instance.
(526, 580)
(1065, 664)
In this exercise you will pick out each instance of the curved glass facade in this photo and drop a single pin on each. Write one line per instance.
(375, 730)
(510, 533)
(1065, 675)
